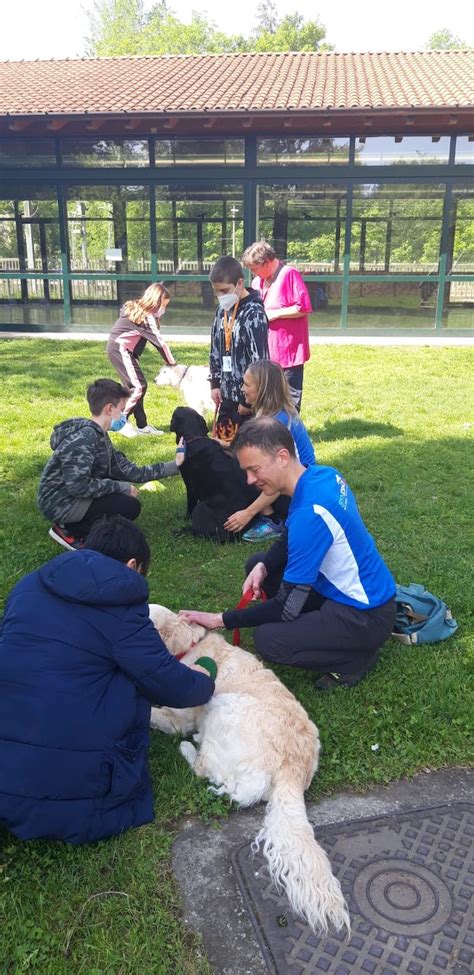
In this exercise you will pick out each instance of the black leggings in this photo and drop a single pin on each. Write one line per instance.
(327, 636)
(109, 504)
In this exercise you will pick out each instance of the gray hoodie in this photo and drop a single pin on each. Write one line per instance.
(85, 466)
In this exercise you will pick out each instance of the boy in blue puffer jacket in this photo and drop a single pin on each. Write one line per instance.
(80, 666)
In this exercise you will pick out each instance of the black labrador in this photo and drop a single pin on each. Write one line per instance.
(216, 486)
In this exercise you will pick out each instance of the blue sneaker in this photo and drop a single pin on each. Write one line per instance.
(263, 528)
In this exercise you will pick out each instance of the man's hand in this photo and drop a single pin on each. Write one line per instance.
(243, 410)
(180, 455)
(210, 621)
(237, 521)
(216, 396)
(133, 491)
(254, 579)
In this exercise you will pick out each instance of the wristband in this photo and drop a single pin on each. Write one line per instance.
(209, 664)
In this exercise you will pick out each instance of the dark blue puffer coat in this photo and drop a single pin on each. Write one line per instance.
(80, 665)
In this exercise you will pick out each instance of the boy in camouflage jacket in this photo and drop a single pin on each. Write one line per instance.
(86, 477)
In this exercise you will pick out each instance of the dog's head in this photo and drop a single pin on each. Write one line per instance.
(170, 375)
(187, 423)
(178, 635)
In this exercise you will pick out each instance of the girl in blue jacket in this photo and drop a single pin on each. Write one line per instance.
(80, 666)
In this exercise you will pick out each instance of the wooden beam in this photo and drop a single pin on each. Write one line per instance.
(133, 124)
(57, 124)
(170, 123)
(94, 126)
(19, 125)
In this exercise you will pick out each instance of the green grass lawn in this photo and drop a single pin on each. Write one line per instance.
(396, 422)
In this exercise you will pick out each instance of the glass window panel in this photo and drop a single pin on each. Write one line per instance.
(385, 150)
(396, 227)
(105, 218)
(392, 304)
(29, 228)
(305, 224)
(26, 153)
(461, 237)
(196, 224)
(302, 151)
(465, 150)
(105, 152)
(199, 152)
(40, 315)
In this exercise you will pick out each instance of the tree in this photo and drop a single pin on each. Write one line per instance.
(125, 27)
(445, 40)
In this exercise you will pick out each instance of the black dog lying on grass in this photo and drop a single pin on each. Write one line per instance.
(216, 486)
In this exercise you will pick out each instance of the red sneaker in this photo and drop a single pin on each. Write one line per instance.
(62, 536)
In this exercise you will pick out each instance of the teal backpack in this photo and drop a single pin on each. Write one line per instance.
(421, 617)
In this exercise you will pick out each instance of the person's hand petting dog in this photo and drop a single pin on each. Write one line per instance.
(238, 521)
(180, 452)
(211, 621)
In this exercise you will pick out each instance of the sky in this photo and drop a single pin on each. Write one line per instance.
(56, 28)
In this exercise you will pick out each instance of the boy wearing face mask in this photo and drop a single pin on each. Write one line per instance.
(86, 477)
(238, 338)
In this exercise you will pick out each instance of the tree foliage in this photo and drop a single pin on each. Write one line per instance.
(445, 40)
(119, 27)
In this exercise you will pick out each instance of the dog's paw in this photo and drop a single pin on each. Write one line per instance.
(188, 752)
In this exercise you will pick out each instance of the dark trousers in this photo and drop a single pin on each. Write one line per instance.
(109, 504)
(132, 378)
(294, 375)
(327, 636)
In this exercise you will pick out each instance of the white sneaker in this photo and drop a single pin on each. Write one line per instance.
(150, 431)
(128, 431)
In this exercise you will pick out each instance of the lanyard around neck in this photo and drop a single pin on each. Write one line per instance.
(228, 326)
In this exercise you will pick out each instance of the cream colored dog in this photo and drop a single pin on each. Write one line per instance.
(193, 381)
(256, 743)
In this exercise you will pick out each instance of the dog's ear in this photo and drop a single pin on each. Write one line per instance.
(160, 616)
(178, 635)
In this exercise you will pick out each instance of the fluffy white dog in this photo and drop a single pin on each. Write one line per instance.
(193, 381)
(256, 743)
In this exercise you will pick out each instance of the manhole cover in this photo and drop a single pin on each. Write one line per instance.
(408, 880)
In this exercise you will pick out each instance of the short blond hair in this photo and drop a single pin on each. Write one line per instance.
(258, 253)
(139, 309)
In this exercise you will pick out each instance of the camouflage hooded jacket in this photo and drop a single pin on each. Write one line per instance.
(85, 466)
(249, 343)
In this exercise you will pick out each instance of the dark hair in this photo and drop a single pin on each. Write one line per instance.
(103, 391)
(120, 539)
(266, 433)
(226, 271)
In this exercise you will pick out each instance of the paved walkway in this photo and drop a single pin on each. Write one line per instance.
(213, 903)
(190, 338)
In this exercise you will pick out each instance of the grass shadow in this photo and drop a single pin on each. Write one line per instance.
(354, 429)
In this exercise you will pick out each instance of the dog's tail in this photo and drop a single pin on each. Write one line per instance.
(297, 864)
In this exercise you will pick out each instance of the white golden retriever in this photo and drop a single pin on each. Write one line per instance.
(193, 381)
(256, 743)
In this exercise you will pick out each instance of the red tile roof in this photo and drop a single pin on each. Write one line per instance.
(238, 83)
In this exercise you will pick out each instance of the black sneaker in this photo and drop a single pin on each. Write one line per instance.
(64, 538)
(329, 681)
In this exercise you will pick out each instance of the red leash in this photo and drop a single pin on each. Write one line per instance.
(247, 598)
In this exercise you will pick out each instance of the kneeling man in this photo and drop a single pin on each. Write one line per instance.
(331, 601)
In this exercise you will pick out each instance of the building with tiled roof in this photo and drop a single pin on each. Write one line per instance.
(358, 167)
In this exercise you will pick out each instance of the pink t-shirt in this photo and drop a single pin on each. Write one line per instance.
(288, 338)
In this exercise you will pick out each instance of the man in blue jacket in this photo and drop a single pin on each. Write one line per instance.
(80, 666)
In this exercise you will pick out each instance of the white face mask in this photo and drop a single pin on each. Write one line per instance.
(160, 312)
(228, 301)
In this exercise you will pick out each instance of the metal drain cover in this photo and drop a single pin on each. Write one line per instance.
(408, 879)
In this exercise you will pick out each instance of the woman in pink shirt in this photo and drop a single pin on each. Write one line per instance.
(287, 304)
